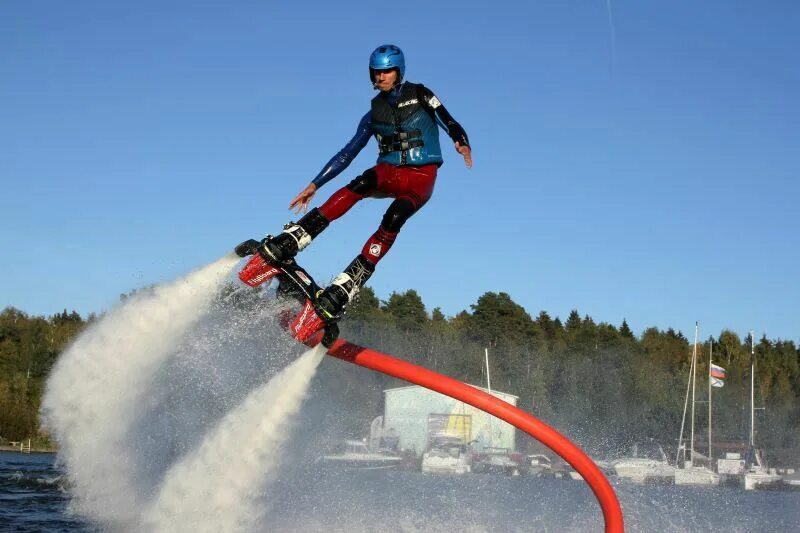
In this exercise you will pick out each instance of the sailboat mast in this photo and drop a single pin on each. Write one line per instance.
(710, 359)
(694, 381)
(683, 418)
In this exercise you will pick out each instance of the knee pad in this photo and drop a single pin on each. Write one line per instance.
(397, 214)
(364, 184)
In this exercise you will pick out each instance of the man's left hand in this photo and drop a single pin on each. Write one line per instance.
(465, 151)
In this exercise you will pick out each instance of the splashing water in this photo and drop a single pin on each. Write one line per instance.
(131, 401)
(214, 488)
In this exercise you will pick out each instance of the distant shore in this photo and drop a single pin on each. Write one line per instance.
(34, 449)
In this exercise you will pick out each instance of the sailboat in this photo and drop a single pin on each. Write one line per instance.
(757, 475)
(691, 473)
(647, 464)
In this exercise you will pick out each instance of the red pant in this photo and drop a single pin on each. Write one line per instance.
(411, 187)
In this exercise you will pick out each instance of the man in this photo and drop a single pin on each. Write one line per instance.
(403, 118)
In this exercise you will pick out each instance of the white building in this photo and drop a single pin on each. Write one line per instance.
(419, 415)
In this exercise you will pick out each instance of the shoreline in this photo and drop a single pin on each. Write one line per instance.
(6, 448)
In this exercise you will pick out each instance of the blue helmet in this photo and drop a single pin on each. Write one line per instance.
(387, 56)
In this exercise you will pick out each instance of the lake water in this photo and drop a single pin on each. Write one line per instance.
(34, 497)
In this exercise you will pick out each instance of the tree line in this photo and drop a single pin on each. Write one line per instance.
(29, 346)
(598, 383)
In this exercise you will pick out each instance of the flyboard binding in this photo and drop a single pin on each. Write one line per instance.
(308, 326)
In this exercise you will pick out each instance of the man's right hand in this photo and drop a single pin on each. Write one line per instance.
(301, 201)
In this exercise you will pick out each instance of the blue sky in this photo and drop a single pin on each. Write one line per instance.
(641, 166)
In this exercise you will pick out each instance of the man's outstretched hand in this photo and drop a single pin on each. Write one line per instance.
(465, 151)
(301, 201)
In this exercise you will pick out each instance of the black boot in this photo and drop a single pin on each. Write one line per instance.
(283, 247)
(333, 301)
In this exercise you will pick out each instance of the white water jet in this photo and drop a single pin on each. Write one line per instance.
(215, 488)
(101, 382)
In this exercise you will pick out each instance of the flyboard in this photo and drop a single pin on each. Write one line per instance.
(310, 329)
(294, 282)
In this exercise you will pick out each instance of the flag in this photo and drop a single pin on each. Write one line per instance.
(717, 376)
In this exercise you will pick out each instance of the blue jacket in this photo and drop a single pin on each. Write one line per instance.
(411, 109)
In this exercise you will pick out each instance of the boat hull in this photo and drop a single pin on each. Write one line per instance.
(696, 476)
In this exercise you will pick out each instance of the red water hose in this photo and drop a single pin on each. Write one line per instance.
(540, 431)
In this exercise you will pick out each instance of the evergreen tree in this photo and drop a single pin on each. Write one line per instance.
(407, 308)
(365, 306)
(496, 318)
(545, 323)
(573, 323)
(625, 330)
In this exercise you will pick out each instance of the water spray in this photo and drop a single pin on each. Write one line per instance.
(98, 385)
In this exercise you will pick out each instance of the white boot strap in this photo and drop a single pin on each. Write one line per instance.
(344, 281)
(300, 235)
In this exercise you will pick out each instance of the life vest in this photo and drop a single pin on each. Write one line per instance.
(406, 130)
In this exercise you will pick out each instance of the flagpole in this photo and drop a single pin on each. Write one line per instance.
(489, 388)
(488, 379)
(752, 389)
(710, 359)
(694, 383)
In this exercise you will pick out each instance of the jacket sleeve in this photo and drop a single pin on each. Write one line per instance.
(443, 117)
(345, 156)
